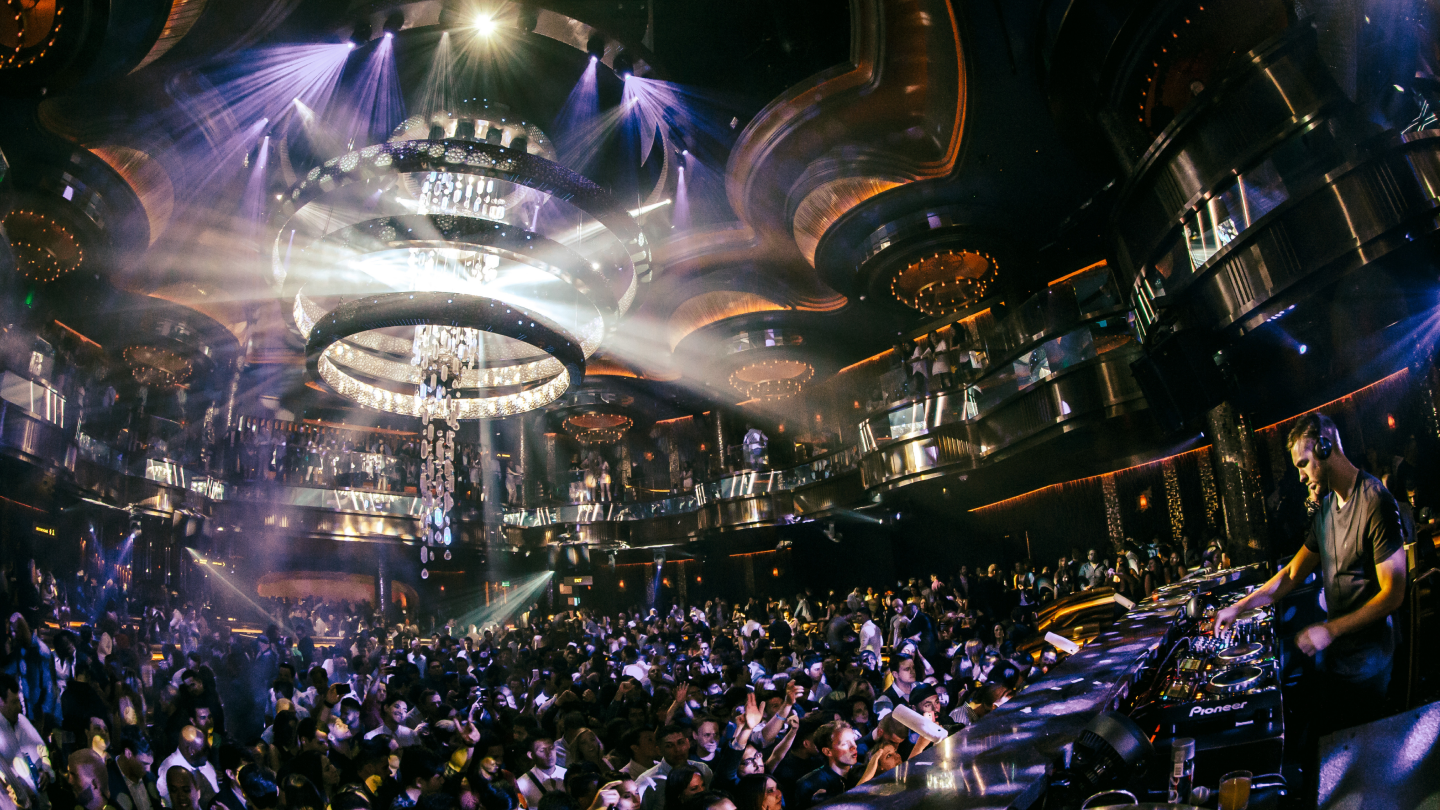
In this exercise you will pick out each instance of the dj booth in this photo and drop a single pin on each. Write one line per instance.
(1107, 716)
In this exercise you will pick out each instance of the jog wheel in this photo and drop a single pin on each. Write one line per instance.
(1233, 681)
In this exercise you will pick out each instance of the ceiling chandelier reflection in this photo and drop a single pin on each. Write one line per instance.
(770, 380)
(945, 282)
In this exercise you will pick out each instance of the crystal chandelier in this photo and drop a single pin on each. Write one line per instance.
(443, 354)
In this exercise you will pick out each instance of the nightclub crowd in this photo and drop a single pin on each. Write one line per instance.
(757, 706)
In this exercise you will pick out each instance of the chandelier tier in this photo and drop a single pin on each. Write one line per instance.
(454, 272)
(474, 314)
(479, 219)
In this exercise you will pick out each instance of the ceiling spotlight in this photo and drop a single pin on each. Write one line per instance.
(624, 64)
(595, 46)
(684, 153)
(1304, 348)
(350, 45)
(389, 34)
(485, 24)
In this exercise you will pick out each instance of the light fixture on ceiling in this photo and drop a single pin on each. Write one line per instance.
(945, 282)
(597, 428)
(773, 379)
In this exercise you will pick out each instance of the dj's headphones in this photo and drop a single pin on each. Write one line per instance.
(1323, 447)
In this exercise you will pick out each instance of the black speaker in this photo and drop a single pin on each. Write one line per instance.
(1182, 379)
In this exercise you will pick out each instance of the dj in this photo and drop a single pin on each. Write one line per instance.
(1355, 540)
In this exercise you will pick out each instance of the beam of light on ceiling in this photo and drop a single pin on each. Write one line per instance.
(500, 611)
(220, 575)
(579, 118)
(436, 90)
(377, 106)
(253, 204)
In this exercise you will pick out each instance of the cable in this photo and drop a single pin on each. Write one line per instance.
(1160, 673)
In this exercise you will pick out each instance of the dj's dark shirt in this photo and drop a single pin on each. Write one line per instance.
(1351, 541)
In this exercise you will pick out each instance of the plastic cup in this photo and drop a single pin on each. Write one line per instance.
(1235, 790)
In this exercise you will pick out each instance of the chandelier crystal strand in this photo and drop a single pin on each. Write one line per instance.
(443, 354)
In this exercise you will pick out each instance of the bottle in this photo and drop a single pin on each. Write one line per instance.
(1182, 771)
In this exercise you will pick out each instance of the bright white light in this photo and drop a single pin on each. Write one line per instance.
(350, 45)
(485, 25)
(645, 209)
(1304, 348)
(389, 34)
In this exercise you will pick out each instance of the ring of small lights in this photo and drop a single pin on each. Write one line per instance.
(43, 263)
(775, 388)
(156, 366)
(442, 309)
(17, 58)
(593, 434)
(485, 236)
(469, 157)
(943, 295)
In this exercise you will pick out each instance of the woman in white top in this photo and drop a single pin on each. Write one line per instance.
(940, 369)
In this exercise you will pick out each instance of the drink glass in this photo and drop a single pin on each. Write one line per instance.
(1235, 790)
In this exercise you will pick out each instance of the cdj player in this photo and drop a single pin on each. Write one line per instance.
(1221, 682)
(1223, 690)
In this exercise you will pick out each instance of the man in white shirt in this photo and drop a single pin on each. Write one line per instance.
(190, 756)
(674, 751)
(392, 718)
(136, 789)
(636, 667)
(644, 752)
(545, 775)
(820, 688)
(870, 636)
(18, 737)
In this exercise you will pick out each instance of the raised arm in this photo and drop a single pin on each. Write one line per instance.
(1302, 565)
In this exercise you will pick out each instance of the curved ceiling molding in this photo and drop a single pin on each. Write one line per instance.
(733, 255)
(183, 16)
(146, 178)
(810, 155)
(712, 307)
(827, 202)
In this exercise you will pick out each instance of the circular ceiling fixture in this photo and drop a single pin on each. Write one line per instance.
(770, 380)
(464, 205)
(945, 282)
(597, 428)
(158, 367)
(331, 341)
(28, 30)
(45, 249)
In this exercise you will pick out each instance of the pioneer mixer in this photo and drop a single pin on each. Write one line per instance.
(1220, 681)
(1222, 690)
